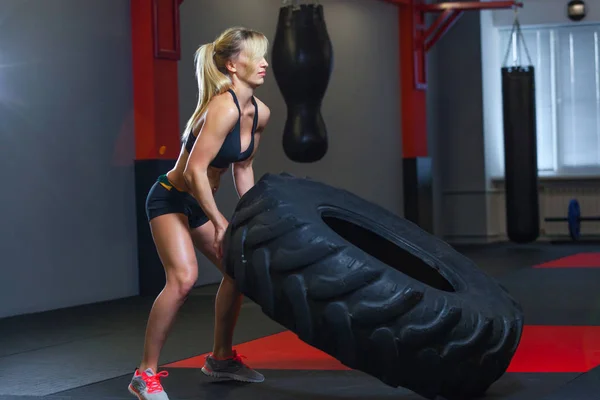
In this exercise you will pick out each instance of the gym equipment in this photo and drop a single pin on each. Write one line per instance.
(520, 148)
(573, 218)
(302, 61)
(371, 289)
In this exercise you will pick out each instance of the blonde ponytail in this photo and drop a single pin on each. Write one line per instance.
(211, 73)
(211, 82)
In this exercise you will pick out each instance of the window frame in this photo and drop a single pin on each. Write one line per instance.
(559, 169)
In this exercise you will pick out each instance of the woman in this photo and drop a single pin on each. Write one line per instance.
(224, 130)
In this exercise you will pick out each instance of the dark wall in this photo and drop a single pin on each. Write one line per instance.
(66, 131)
(361, 107)
(456, 134)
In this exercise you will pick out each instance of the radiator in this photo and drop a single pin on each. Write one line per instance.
(554, 202)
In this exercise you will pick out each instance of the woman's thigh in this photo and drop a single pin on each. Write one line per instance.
(175, 247)
(204, 239)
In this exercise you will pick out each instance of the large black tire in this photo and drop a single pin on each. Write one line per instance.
(370, 288)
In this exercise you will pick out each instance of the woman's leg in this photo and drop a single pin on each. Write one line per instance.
(224, 361)
(229, 299)
(176, 251)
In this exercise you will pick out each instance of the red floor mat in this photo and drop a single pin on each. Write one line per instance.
(280, 351)
(557, 349)
(581, 260)
(542, 349)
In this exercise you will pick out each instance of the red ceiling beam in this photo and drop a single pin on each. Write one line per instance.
(415, 40)
(459, 5)
(440, 26)
(424, 38)
(398, 2)
(467, 5)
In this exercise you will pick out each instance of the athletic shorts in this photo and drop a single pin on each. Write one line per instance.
(164, 198)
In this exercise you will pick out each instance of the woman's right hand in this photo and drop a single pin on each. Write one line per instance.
(219, 235)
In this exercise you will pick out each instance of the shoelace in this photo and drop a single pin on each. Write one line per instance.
(238, 357)
(153, 381)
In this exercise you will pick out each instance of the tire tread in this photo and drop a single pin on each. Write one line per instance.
(316, 288)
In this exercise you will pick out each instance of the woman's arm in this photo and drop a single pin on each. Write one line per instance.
(221, 117)
(243, 173)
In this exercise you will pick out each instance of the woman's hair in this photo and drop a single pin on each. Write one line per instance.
(211, 72)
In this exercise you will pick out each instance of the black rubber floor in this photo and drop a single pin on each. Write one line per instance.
(90, 352)
(321, 385)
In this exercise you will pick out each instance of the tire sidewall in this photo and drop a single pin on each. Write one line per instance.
(473, 287)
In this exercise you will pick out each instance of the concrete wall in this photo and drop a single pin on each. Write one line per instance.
(455, 119)
(67, 209)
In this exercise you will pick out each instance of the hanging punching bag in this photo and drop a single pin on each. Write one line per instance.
(302, 60)
(520, 154)
(520, 143)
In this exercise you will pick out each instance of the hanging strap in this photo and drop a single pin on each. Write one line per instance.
(296, 3)
(516, 27)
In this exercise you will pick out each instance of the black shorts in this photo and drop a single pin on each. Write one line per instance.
(164, 198)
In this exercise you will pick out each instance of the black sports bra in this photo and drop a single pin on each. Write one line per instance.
(231, 149)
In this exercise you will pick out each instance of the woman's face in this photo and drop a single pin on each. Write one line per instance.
(249, 70)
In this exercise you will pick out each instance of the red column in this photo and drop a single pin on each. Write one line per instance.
(156, 51)
(412, 85)
(416, 165)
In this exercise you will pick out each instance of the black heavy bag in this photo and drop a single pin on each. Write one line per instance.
(302, 58)
(520, 145)
(520, 154)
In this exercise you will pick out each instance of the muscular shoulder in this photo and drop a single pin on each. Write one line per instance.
(222, 113)
(264, 113)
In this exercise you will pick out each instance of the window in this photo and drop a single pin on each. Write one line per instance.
(567, 73)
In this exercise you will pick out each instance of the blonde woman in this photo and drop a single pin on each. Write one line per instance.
(223, 131)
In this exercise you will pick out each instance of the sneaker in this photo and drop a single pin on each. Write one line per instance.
(146, 386)
(232, 368)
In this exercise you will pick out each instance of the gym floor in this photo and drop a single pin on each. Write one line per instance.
(89, 352)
